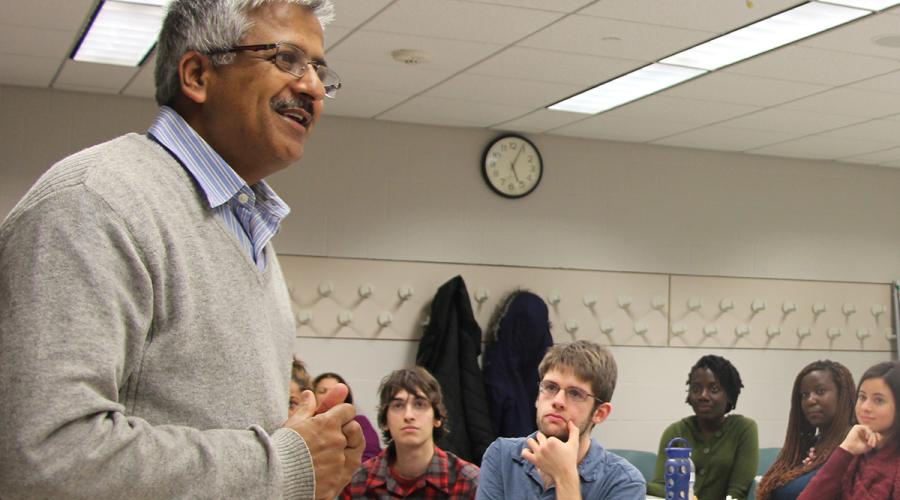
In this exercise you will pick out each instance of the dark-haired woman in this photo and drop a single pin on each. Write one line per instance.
(725, 446)
(866, 465)
(326, 381)
(822, 403)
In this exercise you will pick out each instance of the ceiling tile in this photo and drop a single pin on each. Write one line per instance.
(614, 38)
(822, 148)
(77, 75)
(503, 90)
(678, 109)
(390, 78)
(707, 15)
(875, 130)
(791, 120)
(376, 47)
(361, 103)
(40, 42)
(453, 112)
(539, 65)
(850, 102)
(811, 65)
(351, 14)
(458, 20)
(51, 14)
(859, 37)
(889, 82)
(333, 37)
(877, 158)
(142, 85)
(623, 127)
(540, 121)
(555, 5)
(724, 138)
(743, 89)
(27, 71)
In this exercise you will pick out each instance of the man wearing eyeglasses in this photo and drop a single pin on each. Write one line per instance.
(412, 417)
(146, 330)
(561, 460)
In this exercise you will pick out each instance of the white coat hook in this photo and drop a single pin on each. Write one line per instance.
(710, 330)
(889, 334)
(848, 309)
(640, 328)
(365, 291)
(326, 288)
(345, 318)
(773, 331)
(658, 303)
(426, 320)
(742, 331)
(758, 305)
(788, 307)
(678, 329)
(572, 326)
(624, 301)
(405, 292)
(694, 303)
(726, 304)
(385, 319)
(607, 327)
(304, 317)
(818, 308)
(292, 292)
(862, 333)
(589, 300)
(803, 332)
(877, 310)
(554, 297)
(481, 295)
(834, 333)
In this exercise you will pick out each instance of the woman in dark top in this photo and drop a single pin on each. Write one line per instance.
(326, 381)
(725, 446)
(866, 465)
(822, 404)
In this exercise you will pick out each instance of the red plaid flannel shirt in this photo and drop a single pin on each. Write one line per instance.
(447, 476)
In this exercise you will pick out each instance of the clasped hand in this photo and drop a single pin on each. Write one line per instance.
(555, 459)
(861, 439)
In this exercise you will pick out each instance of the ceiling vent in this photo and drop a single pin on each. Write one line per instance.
(411, 56)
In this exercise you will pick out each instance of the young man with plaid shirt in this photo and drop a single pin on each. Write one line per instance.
(412, 417)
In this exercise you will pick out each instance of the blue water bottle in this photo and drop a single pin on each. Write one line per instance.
(679, 471)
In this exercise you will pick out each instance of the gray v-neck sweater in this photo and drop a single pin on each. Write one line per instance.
(142, 353)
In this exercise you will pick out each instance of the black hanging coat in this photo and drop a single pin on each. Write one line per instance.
(449, 350)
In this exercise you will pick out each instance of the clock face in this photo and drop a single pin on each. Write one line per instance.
(512, 166)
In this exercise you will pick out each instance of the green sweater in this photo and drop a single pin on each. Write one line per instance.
(142, 352)
(724, 464)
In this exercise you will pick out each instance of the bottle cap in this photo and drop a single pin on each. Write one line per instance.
(673, 451)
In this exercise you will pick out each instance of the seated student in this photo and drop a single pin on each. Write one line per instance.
(821, 413)
(561, 460)
(322, 384)
(412, 417)
(300, 381)
(725, 447)
(866, 465)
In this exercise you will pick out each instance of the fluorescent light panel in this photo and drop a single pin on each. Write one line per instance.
(875, 5)
(627, 88)
(770, 33)
(122, 32)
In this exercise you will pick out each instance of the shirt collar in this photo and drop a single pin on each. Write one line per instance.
(437, 473)
(218, 181)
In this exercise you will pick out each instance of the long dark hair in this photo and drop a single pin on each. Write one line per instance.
(801, 434)
(323, 376)
(889, 371)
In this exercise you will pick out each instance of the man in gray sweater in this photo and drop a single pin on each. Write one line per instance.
(145, 327)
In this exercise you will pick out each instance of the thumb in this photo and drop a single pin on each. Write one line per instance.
(335, 396)
(307, 405)
(574, 433)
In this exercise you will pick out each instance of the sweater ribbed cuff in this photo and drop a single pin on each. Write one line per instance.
(296, 464)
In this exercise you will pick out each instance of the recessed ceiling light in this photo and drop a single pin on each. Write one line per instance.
(122, 32)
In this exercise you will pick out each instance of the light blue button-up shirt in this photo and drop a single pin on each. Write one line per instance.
(252, 213)
(604, 476)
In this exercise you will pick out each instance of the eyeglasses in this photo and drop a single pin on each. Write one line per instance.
(572, 393)
(419, 405)
(291, 59)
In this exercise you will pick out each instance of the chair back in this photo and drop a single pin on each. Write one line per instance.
(644, 461)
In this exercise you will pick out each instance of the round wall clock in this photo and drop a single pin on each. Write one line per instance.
(512, 166)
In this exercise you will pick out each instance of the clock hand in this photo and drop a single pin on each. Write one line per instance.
(512, 165)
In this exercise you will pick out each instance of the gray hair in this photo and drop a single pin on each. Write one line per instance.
(207, 25)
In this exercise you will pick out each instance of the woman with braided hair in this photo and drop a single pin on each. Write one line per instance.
(822, 403)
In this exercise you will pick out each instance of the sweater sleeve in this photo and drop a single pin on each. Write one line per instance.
(76, 306)
(746, 460)
(826, 485)
(657, 487)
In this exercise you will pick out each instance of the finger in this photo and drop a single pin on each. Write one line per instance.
(532, 445)
(529, 456)
(306, 407)
(574, 433)
(354, 434)
(334, 396)
(541, 438)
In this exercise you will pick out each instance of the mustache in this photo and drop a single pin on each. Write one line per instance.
(280, 104)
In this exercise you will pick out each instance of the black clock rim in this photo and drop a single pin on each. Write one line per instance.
(487, 178)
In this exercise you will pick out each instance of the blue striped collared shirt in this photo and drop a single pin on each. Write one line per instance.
(252, 213)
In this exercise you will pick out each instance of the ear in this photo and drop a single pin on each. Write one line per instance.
(601, 413)
(438, 422)
(194, 71)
